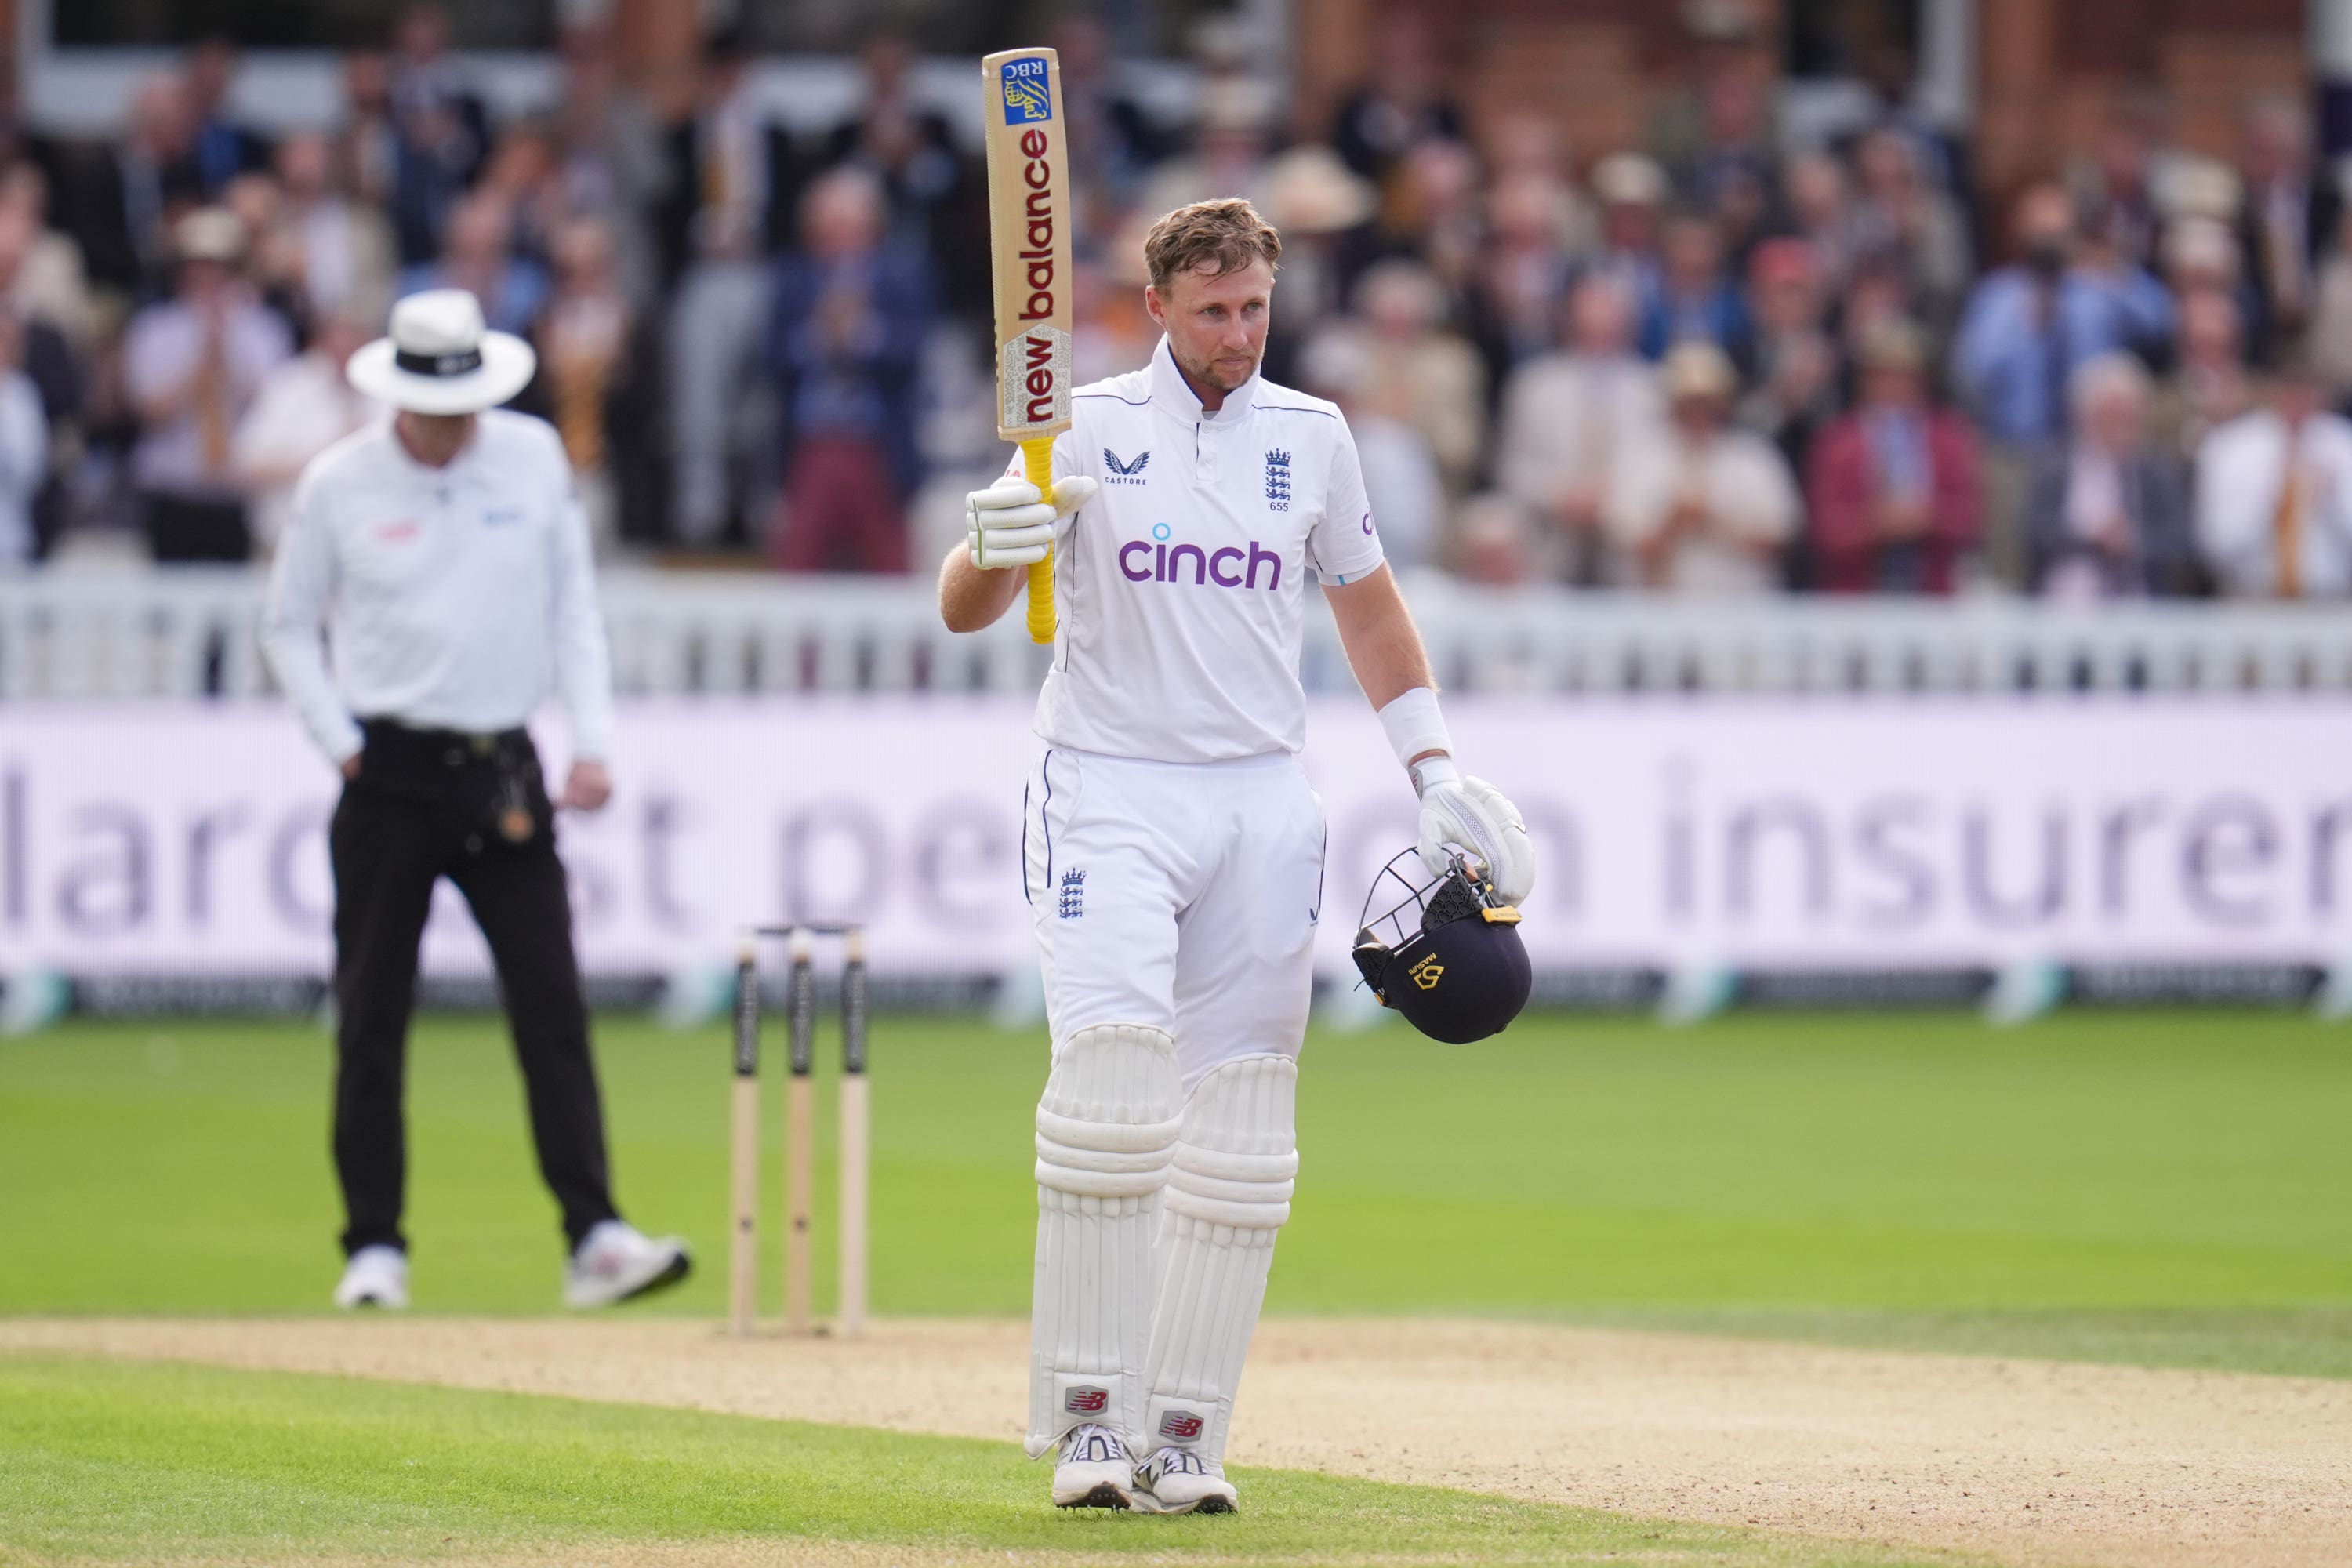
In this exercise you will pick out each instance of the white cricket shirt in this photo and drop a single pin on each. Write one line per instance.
(451, 598)
(1180, 587)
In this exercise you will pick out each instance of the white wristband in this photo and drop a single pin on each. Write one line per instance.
(1414, 725)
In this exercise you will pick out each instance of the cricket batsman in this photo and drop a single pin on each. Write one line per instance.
(1174, 853)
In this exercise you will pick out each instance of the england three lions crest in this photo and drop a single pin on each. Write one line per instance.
(1277, 480)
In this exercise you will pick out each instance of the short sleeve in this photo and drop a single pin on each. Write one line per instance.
(1344, 543)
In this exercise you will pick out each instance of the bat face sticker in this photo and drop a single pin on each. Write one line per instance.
(1027, 99)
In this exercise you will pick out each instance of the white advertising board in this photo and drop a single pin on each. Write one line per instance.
(179, 839)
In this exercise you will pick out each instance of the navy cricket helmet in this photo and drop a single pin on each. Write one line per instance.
(1446, 954)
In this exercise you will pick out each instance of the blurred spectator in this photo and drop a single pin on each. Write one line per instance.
(1115, 333)
(2288, 214)
(1696, 300)
(1113, 139)
(340, 250)
(1420, 373)
(368, 147)
(1631, 189)
(2026, 328)
(1719, 110)
(1524, 275)
(2199, 256)
(1402, 104)
(2117, 181)
(1820, 212)
(1495, 546)
(845, 338)
(1796, 382)
(2331, 315)
(2208, 385)
(45, 282)
(1228, 155)
(48, 359)
(934, 208)
(2108, 515)
(1732, 173)
(477, 256)
(1435, 211)
(727, 162)
(2275, 494)
(219, 147)
(302, 407)
(1912, 223)
(1892, 486)
(24, 451)
(123, 200)
(596, 381)
(191, 366)
(1700, 506)
(1570, 418)
(441, 129)
(610, 160)
(1321, 208)
(520, 171)
(1401, 471)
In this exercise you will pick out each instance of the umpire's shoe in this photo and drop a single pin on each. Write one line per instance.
(1093, 1469)
(1175, 1480)
(617, 1261)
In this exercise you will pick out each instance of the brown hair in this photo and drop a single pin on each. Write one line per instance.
(1215, 237)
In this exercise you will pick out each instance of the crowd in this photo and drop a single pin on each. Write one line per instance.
(1724, 361)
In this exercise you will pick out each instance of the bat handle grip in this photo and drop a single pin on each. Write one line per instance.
(1037, 459)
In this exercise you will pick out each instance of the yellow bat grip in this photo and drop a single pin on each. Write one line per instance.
(1037, 457)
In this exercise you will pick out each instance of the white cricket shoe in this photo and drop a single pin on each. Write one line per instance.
(1175, 1480)
(1094, 1469)
(375, 1277)
(617, 1261)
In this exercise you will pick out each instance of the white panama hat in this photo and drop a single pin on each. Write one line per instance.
(439, 359)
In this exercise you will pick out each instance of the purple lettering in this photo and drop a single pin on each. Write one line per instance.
(1257, 554)
(1216, 569)
(1130, 572)
(1200, 563)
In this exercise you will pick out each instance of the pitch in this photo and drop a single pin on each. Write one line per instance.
(2151, 1189)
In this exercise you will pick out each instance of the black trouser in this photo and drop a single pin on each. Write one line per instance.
(428, 804)
(195, 528)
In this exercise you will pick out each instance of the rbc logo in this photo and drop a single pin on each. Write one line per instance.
(1026, 99)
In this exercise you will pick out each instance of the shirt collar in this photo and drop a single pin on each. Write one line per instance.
(1173, 391)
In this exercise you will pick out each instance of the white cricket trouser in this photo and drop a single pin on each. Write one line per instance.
(1175, 905)
(1180, 896)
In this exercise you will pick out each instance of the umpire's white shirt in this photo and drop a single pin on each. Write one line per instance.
(1180, 587)
(451, 598)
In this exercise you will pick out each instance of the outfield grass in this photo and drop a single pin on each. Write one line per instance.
(121, 1464)
(2161, 1187)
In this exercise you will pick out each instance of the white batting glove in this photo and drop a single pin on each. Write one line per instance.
(1474, 816)
(1009, 525)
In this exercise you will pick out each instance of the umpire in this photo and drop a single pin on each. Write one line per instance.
(446, 559)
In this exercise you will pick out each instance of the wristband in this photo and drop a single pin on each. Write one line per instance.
(1414, 725)
(1430, 772)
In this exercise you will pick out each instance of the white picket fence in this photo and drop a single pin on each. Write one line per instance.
(191, 632)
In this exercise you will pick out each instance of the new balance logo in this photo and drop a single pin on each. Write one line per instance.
(1087, 1401)
(1127, 473)
(1179, 1426)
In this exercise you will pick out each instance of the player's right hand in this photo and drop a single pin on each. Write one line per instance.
(1011, 526)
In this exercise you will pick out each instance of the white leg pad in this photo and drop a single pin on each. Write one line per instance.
(1107, 1129)
(1227, 1195)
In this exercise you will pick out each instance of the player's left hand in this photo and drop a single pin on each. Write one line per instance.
(1009, 525)
(1472, 815)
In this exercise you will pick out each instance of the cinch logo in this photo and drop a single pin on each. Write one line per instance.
(1229, 566)
(1182, 1426)
(1427, 973)
(1026, 95)
(1087, 1401)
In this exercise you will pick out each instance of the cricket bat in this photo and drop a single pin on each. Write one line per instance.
(1029, 257)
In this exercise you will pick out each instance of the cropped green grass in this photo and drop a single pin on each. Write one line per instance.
(112, 1463)
(2164, 1187)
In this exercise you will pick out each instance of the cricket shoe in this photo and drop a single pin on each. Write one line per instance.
(1175, 1480)
(375, 1277)
(616, 1262)
(1093, 1469)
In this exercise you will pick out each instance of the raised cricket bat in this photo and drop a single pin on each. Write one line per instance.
(1029, 255)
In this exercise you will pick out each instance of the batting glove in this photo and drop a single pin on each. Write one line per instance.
(1009, 525)
(1474, 816)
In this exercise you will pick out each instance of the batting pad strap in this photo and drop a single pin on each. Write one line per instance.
(1414, 725)
(1151, 1139)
